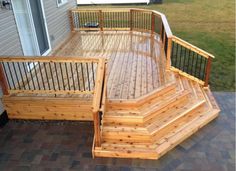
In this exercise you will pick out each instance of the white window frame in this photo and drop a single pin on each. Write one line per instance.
(62, 2)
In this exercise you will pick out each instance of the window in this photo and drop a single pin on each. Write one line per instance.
(61, 2)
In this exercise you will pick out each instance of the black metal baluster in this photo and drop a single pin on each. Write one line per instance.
(93, 74)
(77, 75)
(68, 80)
(180, 58)
(72, 75)
(8, 81)
(193, 58)
(36, 76)
(50, 68)
(58, 83)
(45, 68)
(82, 75)
(184, 62)
(195, 73)
(204, 69)
(24, 65)
(62, 77)
(200, 68)
(172, 54)
(31, 76)
(40, 70)
(88, 76)
(188, 60)
(176, 54)
(17, 79)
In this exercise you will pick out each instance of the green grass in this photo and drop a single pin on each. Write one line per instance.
(208, 24)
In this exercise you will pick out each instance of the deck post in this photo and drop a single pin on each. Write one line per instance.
(207, 72)
(162, 31)
(101, 20)
(3, 81)
(72, 26)
(97, 129)
(131, 20)
(168, 54)
(153, 22)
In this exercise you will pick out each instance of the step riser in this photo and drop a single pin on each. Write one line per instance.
(131, 121)
(181, 99)
(122, 120)
(173, 125)
(117, 154)
(122, 105)
(126, 137)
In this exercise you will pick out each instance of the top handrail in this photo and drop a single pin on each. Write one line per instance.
(46, 59)
(163, 17)
(192, 47)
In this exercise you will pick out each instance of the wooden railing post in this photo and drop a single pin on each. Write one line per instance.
(131, 20)
(208, 70)
(153, 23)
(72, 26)
(97, 100)
(3, 81)
(168, 54)
(101, 24)
(97, 132)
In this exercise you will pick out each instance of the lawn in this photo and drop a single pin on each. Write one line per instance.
(210, 25)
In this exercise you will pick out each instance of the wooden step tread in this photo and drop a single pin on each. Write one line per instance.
(137, 103)
(164, 144)
(118, 128)
(174, 138)
(168, 117)
(210, 98)
(152, 105)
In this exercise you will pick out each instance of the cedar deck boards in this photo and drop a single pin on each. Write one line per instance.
(148, 110)
(135, 67)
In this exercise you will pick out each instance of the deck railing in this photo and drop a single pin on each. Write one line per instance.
(57, 75)
(190, 61)
(48, 75)
(197, 62)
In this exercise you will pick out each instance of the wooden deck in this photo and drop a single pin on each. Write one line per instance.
(145, 89)
(135, 65)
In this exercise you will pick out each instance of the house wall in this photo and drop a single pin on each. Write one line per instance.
(57, 20)
(9, 38)
(57, 23)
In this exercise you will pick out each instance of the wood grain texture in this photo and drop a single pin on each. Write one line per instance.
(48, 108)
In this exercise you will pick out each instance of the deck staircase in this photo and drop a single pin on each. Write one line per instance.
(152, 125)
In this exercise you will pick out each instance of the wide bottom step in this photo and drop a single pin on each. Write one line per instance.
(163, 145)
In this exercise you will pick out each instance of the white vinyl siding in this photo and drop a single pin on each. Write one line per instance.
(61, 2)
(57, 20)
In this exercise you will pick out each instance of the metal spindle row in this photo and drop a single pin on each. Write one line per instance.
(116, 19)
(142, 20)
(188, 61)
(50, 75)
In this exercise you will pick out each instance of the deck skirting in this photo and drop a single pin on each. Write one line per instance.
(48, 108)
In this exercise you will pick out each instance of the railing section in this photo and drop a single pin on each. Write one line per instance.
(48, 75)
(180, 55)
(190, 61)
